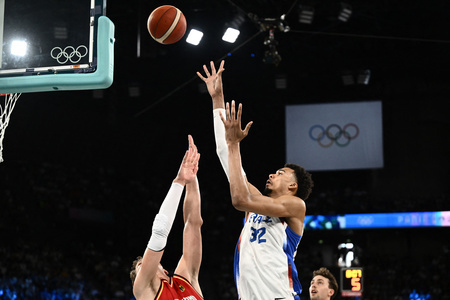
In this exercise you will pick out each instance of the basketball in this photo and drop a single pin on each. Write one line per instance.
(166, 24)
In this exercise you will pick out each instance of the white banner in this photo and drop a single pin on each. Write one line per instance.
(337, 136)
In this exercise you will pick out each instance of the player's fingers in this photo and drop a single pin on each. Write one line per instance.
(247, 127)
(201, 76)
(239, 113)
(185, 158)
(192, 152)
(192, 148)
(233, 110)
(191, 141)
(206, 70)
(197, 159)
(221, 68)
(228, 111)
(213, 68)
(195, 169)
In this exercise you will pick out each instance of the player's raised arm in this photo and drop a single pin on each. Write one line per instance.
(213, 81)
(147, 273)
(189, 264)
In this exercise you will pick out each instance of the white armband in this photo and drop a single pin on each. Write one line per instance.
(164, 219)
(221, 143)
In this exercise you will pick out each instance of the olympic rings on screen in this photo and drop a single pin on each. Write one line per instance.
(365, 220)
(69, 54)
(334, 134)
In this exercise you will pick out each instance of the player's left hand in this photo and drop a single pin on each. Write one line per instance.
(233, 131)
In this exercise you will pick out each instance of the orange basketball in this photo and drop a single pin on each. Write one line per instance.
(166, 24)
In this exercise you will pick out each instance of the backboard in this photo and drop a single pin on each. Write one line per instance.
(50, 45)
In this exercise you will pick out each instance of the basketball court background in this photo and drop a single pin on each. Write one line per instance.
(117, 148)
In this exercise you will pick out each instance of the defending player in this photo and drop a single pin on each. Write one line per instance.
(150, 281)
(264, 257)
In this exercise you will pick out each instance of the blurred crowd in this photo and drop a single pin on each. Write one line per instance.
(69, 232)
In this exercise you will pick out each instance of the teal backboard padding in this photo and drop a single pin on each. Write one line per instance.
(101, 78)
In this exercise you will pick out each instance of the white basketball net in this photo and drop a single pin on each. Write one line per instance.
(6, 109)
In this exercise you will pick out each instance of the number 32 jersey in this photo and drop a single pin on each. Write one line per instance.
(264, 266)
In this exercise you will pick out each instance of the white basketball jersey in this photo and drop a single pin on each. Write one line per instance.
(264, 266)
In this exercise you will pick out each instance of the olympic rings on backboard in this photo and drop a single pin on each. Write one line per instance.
(69, 54)
(334, 134)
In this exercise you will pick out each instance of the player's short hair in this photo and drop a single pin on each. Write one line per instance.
(304, 180)
(133, 269)
(332, 283)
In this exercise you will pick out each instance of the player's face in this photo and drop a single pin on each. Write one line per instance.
(319, 288)
(280, 181)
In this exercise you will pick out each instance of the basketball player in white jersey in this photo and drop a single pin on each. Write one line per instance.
(264, 266)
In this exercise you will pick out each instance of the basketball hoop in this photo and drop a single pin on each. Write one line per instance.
(6, 109)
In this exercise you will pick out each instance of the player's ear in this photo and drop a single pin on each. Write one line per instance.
(293, 186)
(331, 292)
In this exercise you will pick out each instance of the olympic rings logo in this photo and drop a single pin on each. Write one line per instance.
(365, 221)
(334, 134)
(69, 54)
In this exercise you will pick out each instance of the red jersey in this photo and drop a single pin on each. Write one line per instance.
(178, 289)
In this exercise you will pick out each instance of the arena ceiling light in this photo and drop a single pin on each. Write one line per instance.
(345, 12)
(306, 15)
(364, 77)
(194, 37)
(230, 35)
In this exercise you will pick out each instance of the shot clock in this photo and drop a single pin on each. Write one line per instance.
(352, 282)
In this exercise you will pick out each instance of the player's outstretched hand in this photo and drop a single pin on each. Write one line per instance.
(213, 80)
(189, 166)
(233, 131)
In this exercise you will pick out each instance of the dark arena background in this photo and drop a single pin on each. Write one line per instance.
(85, 171)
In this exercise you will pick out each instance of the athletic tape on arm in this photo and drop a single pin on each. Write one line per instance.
(164, 219)
(221, 143)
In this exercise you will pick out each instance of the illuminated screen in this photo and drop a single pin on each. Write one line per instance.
(338, 136)
(378, 220)
(352, 282)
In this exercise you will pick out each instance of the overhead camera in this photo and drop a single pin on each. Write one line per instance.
(271, 55)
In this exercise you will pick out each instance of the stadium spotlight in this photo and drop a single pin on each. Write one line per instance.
(345, 12)
(230, 35)
(194, 37)
(306, 15)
